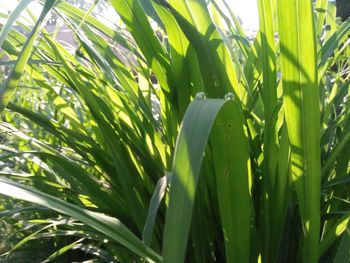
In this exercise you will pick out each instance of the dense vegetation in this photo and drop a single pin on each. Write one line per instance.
(343, 9)
(95, 163)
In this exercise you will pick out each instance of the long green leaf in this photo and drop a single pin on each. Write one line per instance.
(217, 69)
(301, 103)
(156, 199)
(8, 89)
(269, 95)
(193, 137)
(231, 158)
(12, 19)
(109, 226)
(343, 253)
(188, 157)
(135, 19)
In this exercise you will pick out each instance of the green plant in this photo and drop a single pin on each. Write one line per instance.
(258, 170)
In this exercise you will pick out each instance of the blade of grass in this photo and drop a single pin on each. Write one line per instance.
(217, 68)
(8, 88)
(109, 226)
(188, 157)
(231, 158)
(301, 103)
(321, 8)
(196, 126)
(135, 19)
(62, 250)
(156, 199)
(343, 253)
(334, 232)
(332, 44)
(269, 95)
(12, 19)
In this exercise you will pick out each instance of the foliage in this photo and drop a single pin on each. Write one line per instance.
(92, 137)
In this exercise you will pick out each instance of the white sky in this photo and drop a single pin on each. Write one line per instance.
(245, 9)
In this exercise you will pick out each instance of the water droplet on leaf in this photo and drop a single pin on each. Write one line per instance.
(201, 95)
(229, 96)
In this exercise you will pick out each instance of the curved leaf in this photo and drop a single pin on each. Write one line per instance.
(232, 174)
(107, 225)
